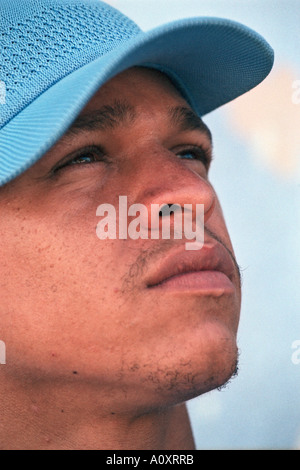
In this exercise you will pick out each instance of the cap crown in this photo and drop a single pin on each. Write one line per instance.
(42, 41)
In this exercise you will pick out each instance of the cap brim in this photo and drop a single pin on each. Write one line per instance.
(212, 60)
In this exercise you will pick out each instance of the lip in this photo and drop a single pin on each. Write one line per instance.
(210, 269)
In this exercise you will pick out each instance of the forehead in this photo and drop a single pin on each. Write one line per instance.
(146, 79)
(136, 91)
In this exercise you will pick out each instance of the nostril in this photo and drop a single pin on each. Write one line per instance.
(167, 209)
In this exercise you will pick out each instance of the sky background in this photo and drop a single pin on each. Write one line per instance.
(256, 173)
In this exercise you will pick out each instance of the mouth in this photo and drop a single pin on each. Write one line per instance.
(209, 270)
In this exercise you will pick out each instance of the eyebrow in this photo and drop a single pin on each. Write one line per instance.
(187, 120)
(121, 112)
(107, 117)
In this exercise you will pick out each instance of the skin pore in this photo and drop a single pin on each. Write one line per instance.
(98, 357)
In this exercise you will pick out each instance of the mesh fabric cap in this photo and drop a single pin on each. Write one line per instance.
(41, 45)
(55, 54)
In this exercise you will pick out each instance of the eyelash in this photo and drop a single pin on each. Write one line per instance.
(200, 154)
(93, 150)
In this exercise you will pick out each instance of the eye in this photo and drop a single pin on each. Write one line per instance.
(83, 158)
(88, 157)
(196, 153)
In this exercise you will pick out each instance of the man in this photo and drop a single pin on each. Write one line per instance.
(107, 339)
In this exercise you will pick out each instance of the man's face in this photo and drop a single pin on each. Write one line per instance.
(125, 315)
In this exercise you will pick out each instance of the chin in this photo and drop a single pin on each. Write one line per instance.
(197, 370)
(215, 376)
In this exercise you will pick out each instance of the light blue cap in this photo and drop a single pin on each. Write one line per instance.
(55, 54)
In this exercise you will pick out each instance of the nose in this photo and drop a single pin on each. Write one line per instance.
(166, 180)
(168, 185)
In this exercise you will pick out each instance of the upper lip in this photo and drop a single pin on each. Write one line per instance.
(211, 257)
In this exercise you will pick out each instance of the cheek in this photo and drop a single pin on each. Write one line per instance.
(48, 267)
(216, 225)
(55, 287)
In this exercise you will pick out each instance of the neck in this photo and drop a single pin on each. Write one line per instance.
(61, 418)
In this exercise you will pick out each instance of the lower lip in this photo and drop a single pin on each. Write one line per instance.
(204, 281)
